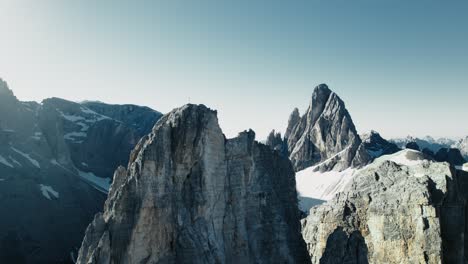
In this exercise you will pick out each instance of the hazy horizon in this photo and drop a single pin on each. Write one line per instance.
(399, 67)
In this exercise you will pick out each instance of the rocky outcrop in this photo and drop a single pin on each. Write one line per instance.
(293, 120)
(377, 146)
(402, 208)
(56, 163)
(451, 155)
(412, 145)
(324, 135)
(276, 142)
(191, 196)
(462, 145)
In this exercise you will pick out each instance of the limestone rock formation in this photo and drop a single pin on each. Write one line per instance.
(293, 120)
(324, 134)
(276, 142)
(402, 208)
(191, 196)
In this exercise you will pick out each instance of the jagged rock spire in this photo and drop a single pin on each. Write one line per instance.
(325, 135)
(294, 118)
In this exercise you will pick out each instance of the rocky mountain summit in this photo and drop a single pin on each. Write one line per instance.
(189, 195)
(324, 135)
(402, 208)
(56, 163)
(377, 146)
(462, 145)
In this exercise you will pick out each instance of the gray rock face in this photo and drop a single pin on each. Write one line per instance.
(191, 196)
(451, 155)
(377, 146)
(140, 118)
(324, 134)
(293, 120)
(401, 209)
(53, 158)
(276, 142)
(412, 145)
(462, 145)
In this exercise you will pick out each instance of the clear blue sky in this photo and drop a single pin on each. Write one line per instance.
(400, 66)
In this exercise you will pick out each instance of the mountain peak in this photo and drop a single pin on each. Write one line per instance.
(191, 195)
(4, 90)
(322, 87)
(325, 133)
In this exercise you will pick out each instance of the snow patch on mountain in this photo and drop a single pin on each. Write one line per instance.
(15, 161)
(73, 135)
(5, 162)
(100, 184)
(407, 157)
(323, 186)
(84, 127)
(71, 118)
(313, 184)
(464, 167)
(27, 156)
(91, 117)
(48, 191)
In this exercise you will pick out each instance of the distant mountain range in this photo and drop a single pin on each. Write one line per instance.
(57, 159)
(173, 189)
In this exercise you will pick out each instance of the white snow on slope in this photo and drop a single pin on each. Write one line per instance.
(464, 167)
(100, 184)
(33, 161)
(5, 162)
(37, 136)
(319, 186)
(48, 191)
(322, 185)
(402, 157)
(73, 135)
(92, 118)
(71, 118)
(84, 127)
(15, 161)
(88, 111)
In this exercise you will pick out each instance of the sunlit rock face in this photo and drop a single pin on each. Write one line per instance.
(403, 208)
(324, 135)
(191, 196)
